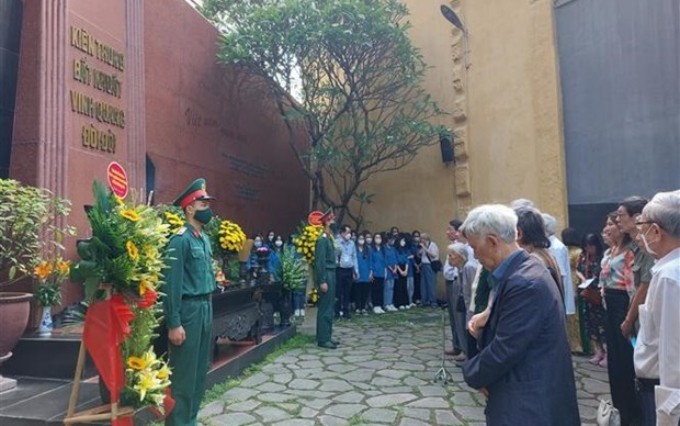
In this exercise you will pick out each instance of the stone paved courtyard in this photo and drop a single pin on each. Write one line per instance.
(382, 374)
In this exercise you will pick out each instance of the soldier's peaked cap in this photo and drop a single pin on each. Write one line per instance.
(195, 191)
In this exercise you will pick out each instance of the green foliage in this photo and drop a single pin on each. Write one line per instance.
(293, 269)
(31, 221)
(212, 230)
(125, 249)
(48, 294)
(345, 71)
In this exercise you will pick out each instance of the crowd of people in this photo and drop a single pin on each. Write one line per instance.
(520, 302)
(601, 282)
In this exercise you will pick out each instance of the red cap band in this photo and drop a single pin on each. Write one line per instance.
(190, 198)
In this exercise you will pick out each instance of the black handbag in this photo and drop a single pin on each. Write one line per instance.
(436, 265)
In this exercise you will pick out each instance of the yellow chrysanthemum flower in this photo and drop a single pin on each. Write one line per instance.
(132, 250)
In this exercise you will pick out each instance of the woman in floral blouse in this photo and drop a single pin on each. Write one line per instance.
(589, 268)
(617, 282)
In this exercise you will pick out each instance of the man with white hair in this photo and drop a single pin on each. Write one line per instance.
(524, 364)
(657, 353)
(522, 203)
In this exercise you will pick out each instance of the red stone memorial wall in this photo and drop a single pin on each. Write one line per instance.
(120, 80)
(207, 121)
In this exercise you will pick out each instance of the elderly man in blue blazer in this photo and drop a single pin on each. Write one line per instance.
(524, 364)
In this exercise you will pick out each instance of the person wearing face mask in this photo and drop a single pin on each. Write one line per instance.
(325, 263)
(391, 274)
(404, 271)
(270, 239)
(363, 282)
(657, 354)
(253, 259)
(275, 254)
(189, 282)
(378, 267)
(416, 253)
(347, 270)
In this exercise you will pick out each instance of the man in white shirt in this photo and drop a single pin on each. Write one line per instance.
(657, 352)
(561, 254)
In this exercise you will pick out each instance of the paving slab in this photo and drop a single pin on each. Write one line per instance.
(382, 374)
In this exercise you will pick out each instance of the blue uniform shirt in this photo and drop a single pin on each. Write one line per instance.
(391, 261)
(274, 265)
(378, 264)
(403, 259)
(364, 262)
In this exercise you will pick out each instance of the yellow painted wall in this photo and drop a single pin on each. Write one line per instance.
(514, 106)
(422, 194)
(505, 110)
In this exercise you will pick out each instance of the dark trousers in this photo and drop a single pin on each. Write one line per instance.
(620, 358)
(360, 291)
(645, 392)
(471, 345)
(416, 286)
(451, 307)
(400, 293)
(345, 277)
(377, 291)
(324, 311)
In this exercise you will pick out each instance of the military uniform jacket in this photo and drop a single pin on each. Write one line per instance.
(324, 260)
(189, 271)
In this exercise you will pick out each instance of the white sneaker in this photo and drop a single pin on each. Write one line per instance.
(377, 310)
(402, 307)
(358, 311)
(391, 308)
(412, 305)
(302, 313)
(297, 312)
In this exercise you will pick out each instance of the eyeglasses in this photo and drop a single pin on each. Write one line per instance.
(639, 224)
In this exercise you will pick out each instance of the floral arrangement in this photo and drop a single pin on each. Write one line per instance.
(305, 241)
(230, 236)
(50, 276)
(293, 269)
(171, 216)
(122, 263)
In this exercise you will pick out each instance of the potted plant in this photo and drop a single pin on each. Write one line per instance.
(50, 275)
(31, 223)
(293, 277)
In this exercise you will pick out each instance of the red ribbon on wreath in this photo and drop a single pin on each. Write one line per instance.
(107, 324)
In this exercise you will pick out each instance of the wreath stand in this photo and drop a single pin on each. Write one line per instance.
(103, 412)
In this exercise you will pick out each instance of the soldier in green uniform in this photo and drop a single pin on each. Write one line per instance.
(324, 276)
(190, 280)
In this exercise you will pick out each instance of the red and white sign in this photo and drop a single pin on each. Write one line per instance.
(117, 179)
